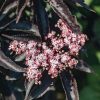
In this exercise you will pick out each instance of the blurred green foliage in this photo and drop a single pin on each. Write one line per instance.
(89, 84)
(91, 91)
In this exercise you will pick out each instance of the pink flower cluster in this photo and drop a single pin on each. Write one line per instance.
(57, 53)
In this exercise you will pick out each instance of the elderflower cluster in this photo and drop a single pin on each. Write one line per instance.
(57, 53)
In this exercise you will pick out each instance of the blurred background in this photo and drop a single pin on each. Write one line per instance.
(91, 90)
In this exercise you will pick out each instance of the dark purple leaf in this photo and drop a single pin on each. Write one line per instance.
(5, 20)
(69, 85)
(24, 26)
(20, 57)
(22, 31)
(7, 9)
(7, 74)
(64, 13)
(39, 90)
(7, 63)
(81, 2)
(83, 66)
(29, 86)
(42, 18)
(3, 5)
(6, 89)
(6, 25)
(21, 6)
(23, 38)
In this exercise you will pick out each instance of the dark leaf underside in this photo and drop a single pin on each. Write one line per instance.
(70, 86)
(7, 63)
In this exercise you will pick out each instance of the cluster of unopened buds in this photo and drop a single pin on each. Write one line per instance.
(59, 52)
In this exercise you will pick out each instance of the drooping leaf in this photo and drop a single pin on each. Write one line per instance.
(3, 5)
(24, 26)
(22, 31)
(7, 74)
(83, 66)
(49, 89)
(42, 17)
(24, 38)
(7, 9)
(69, 85)
(39, 90)
(82, 3)
(5, 20)
(19, 84)
(20, 57)
(62, 10)
(6, 25)
(29, 86)
(21, 6)
(6, 90)
(7, 63)
(78, 1)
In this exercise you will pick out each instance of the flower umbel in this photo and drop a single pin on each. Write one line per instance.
(60, 54)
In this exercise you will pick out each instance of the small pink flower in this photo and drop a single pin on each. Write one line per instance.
(32, 73)
(22, 46)
(57, 43)
(51, 35)
(74, 49)
(31, 44)
(72, 62)
(82, 39)
(13, 45)
(67, 41)
(65, 58)
(53, 72)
